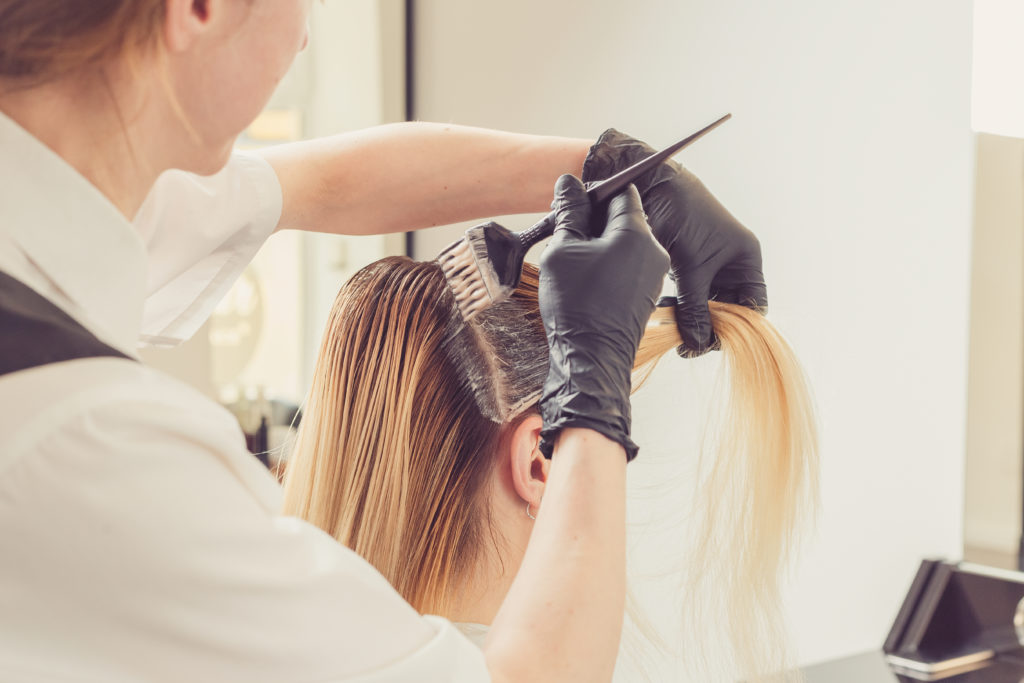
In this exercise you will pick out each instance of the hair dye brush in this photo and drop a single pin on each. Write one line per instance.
(484, 267)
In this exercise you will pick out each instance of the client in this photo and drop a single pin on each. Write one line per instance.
(419, 449)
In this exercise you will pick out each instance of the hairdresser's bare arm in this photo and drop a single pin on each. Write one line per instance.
(406, 176)
(562, 618)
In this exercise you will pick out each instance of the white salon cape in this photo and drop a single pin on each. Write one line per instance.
(139, 540)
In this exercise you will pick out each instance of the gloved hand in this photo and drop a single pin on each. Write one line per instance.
(600, 277)
(713, 255)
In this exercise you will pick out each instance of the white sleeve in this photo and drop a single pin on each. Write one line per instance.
(200, 234)
(144, 545)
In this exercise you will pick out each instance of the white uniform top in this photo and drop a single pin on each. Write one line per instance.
(139, 541)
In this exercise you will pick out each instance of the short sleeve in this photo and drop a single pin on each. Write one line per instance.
(200, 233)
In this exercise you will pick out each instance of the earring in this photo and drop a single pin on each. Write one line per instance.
(528, 511)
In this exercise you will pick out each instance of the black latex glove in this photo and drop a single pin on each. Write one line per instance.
(600, 277)
(713, 255)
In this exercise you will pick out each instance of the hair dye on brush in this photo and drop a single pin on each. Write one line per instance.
(502, 354)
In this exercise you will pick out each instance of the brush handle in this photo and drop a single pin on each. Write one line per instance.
(545, 227)
(597, 193)
(540, 230)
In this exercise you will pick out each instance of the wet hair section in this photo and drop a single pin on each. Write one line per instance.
(503, 352)
(394, 454)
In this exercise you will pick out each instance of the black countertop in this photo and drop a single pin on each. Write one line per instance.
(871, 667)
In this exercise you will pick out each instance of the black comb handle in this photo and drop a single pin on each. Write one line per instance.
(607, 188)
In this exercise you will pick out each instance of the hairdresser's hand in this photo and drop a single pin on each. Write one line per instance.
(713, 255)
(600, 277)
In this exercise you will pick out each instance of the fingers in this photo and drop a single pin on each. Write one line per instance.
(626, 213)
(753, 296)
(694, 322)
(572, 207)
(751, 293)
(694, 319)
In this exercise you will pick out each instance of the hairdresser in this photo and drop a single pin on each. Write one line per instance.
(138, 539)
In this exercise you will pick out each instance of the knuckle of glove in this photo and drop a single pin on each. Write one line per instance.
(570, 206)
(694, 323)
(685, 351)
(560, 257)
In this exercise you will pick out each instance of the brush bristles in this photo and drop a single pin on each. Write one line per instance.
(465, 267)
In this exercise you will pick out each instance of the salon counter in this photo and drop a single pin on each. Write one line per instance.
(871, 667)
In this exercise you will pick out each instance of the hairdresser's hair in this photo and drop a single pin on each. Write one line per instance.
(401, 429)
(41, 40)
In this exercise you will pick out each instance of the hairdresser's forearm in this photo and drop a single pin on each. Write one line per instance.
(565, 607)
(407, 176)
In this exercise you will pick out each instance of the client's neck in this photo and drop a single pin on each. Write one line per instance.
(481, 596)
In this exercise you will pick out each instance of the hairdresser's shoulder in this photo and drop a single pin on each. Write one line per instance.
(135, 523)
(110, 405)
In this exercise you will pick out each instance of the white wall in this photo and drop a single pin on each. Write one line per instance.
(850, 155)
(998, 102)
(357, 64)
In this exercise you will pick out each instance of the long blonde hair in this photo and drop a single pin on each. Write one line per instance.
(396, 443)
(757, 483)
(394, 450)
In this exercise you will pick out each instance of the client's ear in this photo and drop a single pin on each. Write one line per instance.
(186, 22)
(529, 466)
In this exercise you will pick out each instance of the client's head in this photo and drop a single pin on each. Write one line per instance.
(419, 443)
(419, 449)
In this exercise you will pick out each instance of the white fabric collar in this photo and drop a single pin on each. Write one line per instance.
(73, 235)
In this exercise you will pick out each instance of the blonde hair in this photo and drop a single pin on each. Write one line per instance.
(396, 443)
(394, 449)
(42, 40)
(757, 481)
